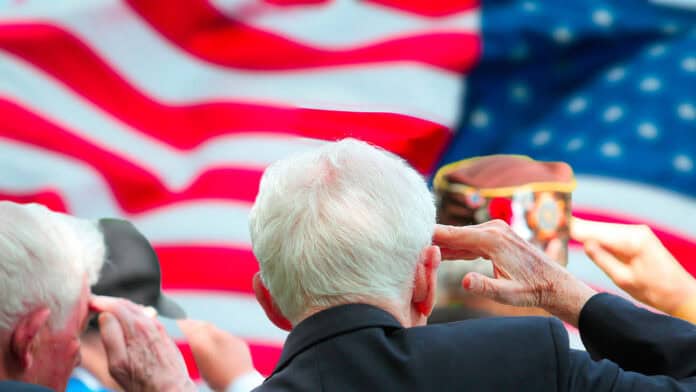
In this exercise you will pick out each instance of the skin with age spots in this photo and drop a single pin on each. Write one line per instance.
(141, 355)
(524, 275)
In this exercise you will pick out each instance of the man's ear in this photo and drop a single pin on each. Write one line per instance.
(268, 304)
(425, 280)
(25, 336)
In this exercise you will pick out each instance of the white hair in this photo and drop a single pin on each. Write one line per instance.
(340, 224)
(44, 257)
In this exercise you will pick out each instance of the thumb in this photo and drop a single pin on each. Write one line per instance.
(500, 290)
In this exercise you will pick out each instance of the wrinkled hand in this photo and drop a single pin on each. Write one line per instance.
(524, 275)
(221, 357)
(635, 259)
(141, 355)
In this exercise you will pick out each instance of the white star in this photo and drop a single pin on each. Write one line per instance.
(541, 138)
(519, 92)
(657, 50)
(686, 111)
(689, 64)
(575, 144)
(615, 74)
(647, 130)
(577, 105)
(602, 17)
(530, 6)
(683, 163)
(479, 118)
(562, 35)
(650, 84)
(613, 113)
(611, 149)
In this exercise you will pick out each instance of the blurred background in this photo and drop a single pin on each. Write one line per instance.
(166, 113)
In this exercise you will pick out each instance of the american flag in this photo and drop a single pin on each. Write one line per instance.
(166, 113)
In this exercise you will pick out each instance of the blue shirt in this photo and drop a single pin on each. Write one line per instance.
(83, 381)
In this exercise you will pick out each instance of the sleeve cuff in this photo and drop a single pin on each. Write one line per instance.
(246, 382)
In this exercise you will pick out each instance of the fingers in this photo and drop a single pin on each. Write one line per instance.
(500, 290)
(619, 272)
(190, 327)
(461, 242)
(616, 238)
(134, 319)
(554, 249)
(197, 332)
(102, 303)
(113, 339)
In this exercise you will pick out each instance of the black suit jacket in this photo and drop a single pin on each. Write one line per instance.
(359, 347)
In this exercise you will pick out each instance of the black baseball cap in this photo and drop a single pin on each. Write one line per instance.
(132, 269)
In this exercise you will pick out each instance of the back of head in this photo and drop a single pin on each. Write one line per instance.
(344, 223)
(44, 257)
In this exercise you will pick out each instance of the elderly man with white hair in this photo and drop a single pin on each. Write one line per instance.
(348, 251)
(47, 263)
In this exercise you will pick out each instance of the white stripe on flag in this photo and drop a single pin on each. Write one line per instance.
(174, 76)
(238, 314)
(305, 23)
(646, 204)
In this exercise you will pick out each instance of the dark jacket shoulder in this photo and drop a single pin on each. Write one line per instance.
(355, 348)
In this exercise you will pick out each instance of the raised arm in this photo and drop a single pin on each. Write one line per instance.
(643, 350)
(524, 275)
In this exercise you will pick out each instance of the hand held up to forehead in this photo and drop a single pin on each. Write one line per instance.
(141, 355)
(524, 275)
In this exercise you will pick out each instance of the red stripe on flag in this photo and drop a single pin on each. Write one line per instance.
(187, 126)
(681, 246)
(135, 188)
(265, 356)
(207, 267)
(200, 29)
(295, 2)
(48, 197)
(430, 8)
(188, 358)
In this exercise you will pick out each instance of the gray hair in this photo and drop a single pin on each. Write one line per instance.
(340, 224)
(44, 257)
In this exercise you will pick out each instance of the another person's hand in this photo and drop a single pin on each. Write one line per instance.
(221, 357)
(524, 275)
(635, 259)
(141, 355)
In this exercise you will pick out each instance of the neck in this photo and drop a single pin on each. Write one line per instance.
(402, 312)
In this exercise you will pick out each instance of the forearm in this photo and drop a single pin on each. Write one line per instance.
(638, 339)
(567, 298)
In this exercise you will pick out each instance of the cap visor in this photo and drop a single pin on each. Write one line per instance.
(166, 307)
